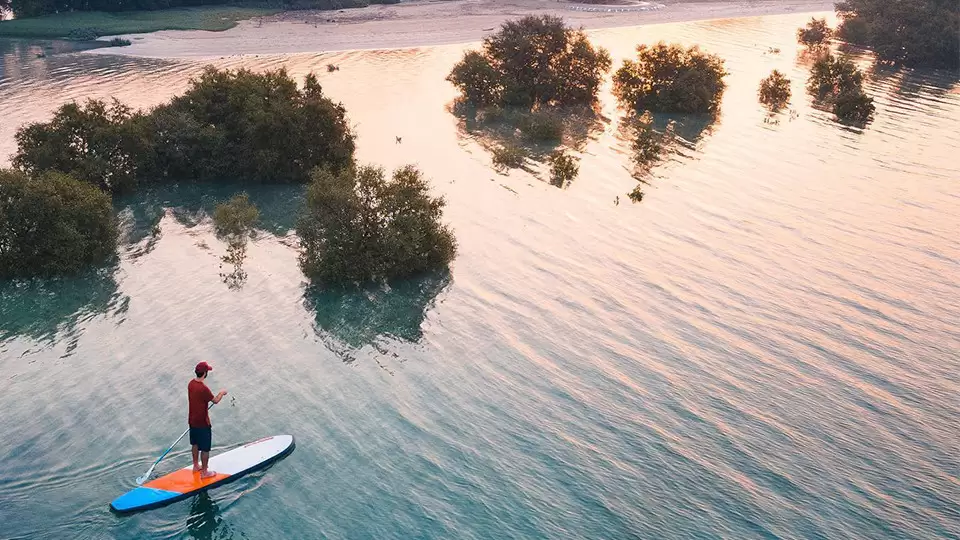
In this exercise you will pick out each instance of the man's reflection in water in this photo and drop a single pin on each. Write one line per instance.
(204, 521)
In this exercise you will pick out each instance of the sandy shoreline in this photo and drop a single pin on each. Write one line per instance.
(425, 23)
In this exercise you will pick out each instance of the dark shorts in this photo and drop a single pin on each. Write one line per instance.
(202, 437)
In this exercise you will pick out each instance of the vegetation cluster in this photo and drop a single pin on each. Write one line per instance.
(533, 62)
(228, 127)
(671, 78)
(915, 33)
(815, 34)
(775, 91)
(838, 83)
(360, 225)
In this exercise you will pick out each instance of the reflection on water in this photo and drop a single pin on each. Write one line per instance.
(192, 203)
(235, 276)
(47, 310)
(204, 521)
(511, 127)
(349, 319)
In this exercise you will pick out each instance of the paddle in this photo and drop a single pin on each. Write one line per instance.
(146, 475)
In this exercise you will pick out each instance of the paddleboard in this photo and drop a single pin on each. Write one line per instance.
(183, 483)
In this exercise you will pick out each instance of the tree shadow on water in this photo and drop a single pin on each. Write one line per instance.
(49, 310)
(655, 138)
(190, 204)
(350, 318)
(534, 135)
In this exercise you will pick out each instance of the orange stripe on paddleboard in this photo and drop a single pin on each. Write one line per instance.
(184, 481)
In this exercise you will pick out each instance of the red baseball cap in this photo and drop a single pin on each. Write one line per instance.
(203, 367)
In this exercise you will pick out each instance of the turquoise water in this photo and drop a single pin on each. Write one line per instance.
(765, 347)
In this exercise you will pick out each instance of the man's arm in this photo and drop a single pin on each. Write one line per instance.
(219, 396)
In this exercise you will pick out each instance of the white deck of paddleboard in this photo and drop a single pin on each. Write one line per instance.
(249, 455)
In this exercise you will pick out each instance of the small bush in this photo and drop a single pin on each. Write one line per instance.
(670, 78)
(636, 194)
(84, 34)
(119, 42)
(853, 106)
(563, 169)
(536, 60)
(815, 34)
(508, 156)
(52, 224)
(775, 91)
(542, 126)
(839, 83)
(235, 217)
(360, 226)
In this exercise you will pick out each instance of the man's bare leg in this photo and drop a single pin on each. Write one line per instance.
(204, 473)
(196, 458)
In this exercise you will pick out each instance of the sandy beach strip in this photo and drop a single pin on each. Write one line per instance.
(424, 23)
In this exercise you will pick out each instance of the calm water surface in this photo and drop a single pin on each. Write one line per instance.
(765, 347)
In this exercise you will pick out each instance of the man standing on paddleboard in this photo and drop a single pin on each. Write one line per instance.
(201, 436)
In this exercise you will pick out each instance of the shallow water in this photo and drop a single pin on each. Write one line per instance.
(765, 347)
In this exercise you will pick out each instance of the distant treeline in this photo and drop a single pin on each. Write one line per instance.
(33, 8)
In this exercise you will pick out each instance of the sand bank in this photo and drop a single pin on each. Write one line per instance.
(423, 23)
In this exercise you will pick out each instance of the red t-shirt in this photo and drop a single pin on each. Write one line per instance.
(199, 395)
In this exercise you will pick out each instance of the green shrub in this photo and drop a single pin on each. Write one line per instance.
(837, 81)
(563, 169)
(52, 224)
(536, 60)
(229, 126)
(508, 156)
(542, 126)
(920, 33)
(360, 226)
(775, 90)
(815, 34)
(853, 106)
(119, 42)
(235, 217)
(84, 34)
(98, 143)
(260, 128)
(670, 78)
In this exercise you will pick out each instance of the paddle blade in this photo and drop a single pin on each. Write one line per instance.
(145, 477)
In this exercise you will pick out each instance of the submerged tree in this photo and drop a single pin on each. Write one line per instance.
(909, 32)
(836, 81)
(531, 62)
(52, 224)
(775, 91)
(815, 34)
(360, 226)
(563, 169)
(670, 78)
